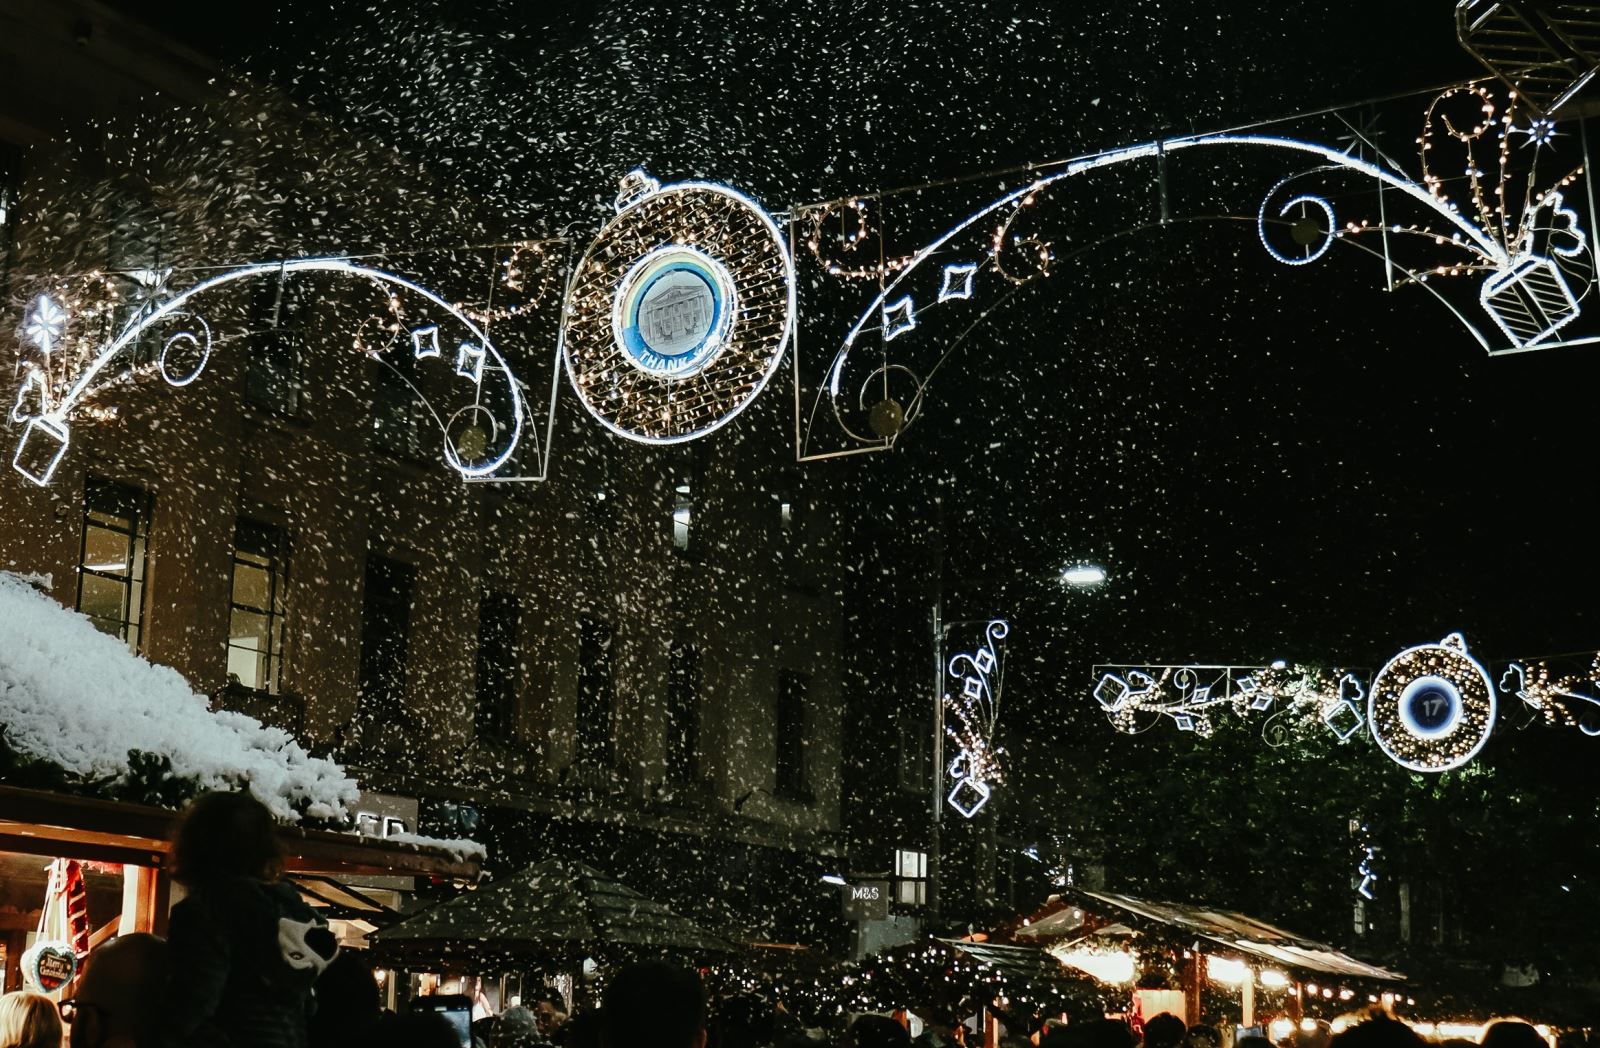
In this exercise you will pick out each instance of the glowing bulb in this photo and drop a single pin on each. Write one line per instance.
(1227, 971)
(1083, 575)
(1273, 979)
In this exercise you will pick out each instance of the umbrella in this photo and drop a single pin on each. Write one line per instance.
(553, 912)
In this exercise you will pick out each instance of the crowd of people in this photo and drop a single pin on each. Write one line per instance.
(247, 964)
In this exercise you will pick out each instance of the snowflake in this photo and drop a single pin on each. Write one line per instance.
(47, 324)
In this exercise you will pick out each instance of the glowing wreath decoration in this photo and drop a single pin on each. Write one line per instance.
(1432, 707)
(679, 312)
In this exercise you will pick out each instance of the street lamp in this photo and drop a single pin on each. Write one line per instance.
(1083, 575)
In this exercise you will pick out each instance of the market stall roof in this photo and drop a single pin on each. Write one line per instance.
(1074, 914)
(550, 910)
(39, 822)
(80, 709)
(1029, 964)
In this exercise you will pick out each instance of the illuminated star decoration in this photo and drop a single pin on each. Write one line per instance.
(47, 324)
(1541, 131)
(957, 281)
(152, 283)
(898, 318)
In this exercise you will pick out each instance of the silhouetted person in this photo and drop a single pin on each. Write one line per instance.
(1209, 1037)
(1318, 1036)
(1512, 1033)
(518, 1028)
(584, 1029)
(654, 1004)
(348, 1003)
(550, 1011)
(1253, 1040)
(118, 1003)
(1164, 1031)
(877, 1031)
(416, 1030)
(245, 949)
(1378, 1032)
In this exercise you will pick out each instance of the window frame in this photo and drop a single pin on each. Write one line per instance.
(276, 612)
(136, 505)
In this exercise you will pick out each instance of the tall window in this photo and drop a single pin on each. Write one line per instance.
(255, 614)
(790, 736)
(499, 619)
(385, 637)
(683, 713)
(397, 416)
(910, 877)
(596, 691)
(111, 564)
(272, 370)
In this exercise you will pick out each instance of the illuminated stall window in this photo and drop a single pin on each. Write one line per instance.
(790, 736)
(255, 613)
(499, 619)
(910, 877)
(111, 566)
(597, 692)
(683, 713)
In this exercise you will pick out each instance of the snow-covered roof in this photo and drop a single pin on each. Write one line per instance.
(78, 699)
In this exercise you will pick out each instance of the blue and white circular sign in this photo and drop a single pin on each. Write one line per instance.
(673, 312)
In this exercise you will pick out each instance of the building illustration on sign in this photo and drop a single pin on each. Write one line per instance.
(676, 313)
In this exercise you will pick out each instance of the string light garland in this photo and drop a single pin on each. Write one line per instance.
(1431, 708)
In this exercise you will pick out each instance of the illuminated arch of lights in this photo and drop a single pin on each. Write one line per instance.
(1531, 257)
(183, 356)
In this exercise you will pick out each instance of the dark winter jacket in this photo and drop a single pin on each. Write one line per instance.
(244, 956)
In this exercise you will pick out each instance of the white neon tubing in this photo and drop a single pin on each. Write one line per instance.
(58, 415)
(1485, 243)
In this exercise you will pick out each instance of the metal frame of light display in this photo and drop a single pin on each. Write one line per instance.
(46, 419)
(1431, 708)
(1536, 259)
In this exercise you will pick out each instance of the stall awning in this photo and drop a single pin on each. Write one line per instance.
(1071, 914)
(39, 822)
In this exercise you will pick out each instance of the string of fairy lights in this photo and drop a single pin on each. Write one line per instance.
(1431, 708)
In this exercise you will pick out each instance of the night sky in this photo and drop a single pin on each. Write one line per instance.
(1271, 462)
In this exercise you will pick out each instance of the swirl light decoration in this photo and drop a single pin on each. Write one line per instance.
(1513, 228)
(972, 719)
(679, 312)
(479, 432)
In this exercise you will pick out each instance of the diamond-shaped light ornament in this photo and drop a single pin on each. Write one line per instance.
(1343, 719)
(898, 318)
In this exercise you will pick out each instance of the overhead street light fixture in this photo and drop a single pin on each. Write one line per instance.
(1083, 575)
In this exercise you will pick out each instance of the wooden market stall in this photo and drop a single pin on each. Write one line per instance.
(124, 848)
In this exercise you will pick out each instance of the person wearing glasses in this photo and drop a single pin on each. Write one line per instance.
(118, 1003)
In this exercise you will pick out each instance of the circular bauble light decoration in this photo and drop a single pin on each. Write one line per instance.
(1432, 707)
(679, 312)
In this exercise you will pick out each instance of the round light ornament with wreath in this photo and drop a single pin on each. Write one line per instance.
(679, 312)
(1432, 707)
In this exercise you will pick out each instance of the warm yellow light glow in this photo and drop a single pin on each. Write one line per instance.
(1278, 1029)
(1273, 980)
(1112, 966)
(1227, 971)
